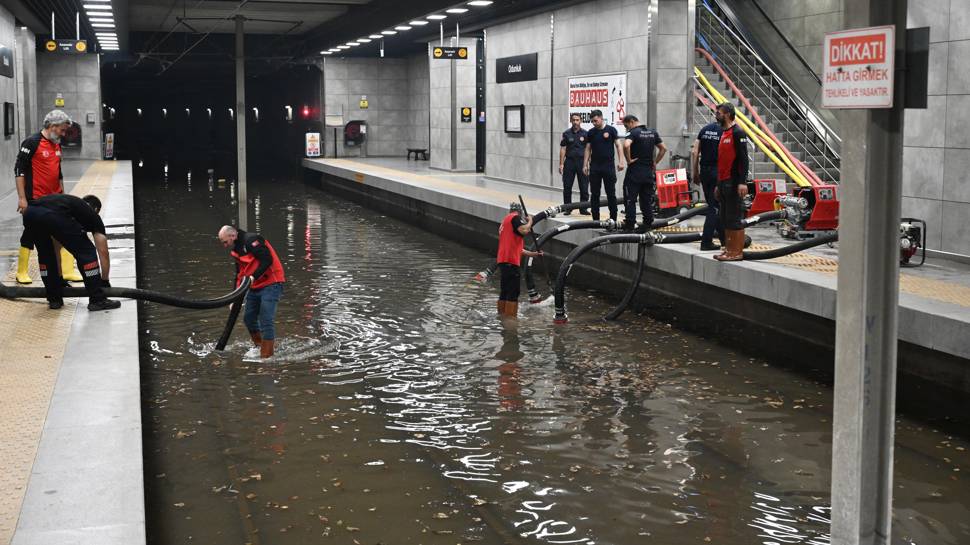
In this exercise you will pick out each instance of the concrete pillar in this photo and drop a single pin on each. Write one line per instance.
(868, 292)
(241, 114)
(669, 69)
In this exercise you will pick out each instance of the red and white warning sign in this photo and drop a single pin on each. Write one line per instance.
(858, 70)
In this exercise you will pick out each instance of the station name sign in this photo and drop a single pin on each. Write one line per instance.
(450, 53)
(858, 68)
(517, 68)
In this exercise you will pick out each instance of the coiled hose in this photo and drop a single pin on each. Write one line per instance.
(649, 239)
(234, 298)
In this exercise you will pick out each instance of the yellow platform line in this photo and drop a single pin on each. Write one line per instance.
(937, 290)
(34, 339)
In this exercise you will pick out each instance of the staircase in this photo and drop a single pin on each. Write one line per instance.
(794, 123)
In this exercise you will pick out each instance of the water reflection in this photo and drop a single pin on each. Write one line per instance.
(399, 406)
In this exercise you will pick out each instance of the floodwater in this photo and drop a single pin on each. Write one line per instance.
(400, 410)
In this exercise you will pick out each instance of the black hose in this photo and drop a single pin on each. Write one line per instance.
(575, 226)
(554, 210)
(792, 248)
(632, 290)
(235, 298)
(674, 220)
(567, 264)
(230, 324)
(766, 216)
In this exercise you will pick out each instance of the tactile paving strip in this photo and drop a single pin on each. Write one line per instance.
(34, 339)
(937, 290)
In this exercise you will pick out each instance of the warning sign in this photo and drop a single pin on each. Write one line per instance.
(313, 144)
(858, 69)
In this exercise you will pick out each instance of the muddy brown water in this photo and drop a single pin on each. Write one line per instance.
(399, 410)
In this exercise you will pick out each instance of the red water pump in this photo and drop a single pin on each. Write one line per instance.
(812, 211)
(912, 240)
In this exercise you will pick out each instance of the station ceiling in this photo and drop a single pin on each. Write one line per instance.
(157, 35)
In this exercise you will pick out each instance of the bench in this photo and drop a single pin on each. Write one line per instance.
(423, 152)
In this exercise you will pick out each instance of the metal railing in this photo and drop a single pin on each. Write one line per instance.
(795, 122)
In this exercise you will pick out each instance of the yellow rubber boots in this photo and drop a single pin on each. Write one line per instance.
(23, 262)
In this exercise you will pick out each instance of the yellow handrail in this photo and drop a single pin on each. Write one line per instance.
(757, 136)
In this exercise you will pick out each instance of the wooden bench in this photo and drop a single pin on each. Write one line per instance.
(423, 152)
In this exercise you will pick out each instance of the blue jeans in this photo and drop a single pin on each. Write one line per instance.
(261, 310)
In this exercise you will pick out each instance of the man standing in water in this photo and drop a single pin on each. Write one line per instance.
(256, 257)
(511, 248)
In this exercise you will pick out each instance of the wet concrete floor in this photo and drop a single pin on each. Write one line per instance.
(400, 410)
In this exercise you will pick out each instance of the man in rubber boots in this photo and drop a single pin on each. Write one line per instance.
(511, 248)
(256, 257)
(602, 147)
(703, 160)
(644, 149)
(67, 219)
(732, 187)
(38, 174)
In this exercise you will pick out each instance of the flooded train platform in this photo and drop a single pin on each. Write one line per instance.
(70, 414)
(399, 409)
(796, 293)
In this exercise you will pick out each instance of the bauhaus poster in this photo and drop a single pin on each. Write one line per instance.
(604, 92)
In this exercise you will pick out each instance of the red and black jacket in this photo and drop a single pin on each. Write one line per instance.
(256, 257)
(732, 156)
(39, 162)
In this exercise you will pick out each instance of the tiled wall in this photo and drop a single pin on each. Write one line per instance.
(418, 102)
(25, 60)
(606, 36)
(936, 158)
(78, 79)
(8, 93)
(442, 112)
(805, 23)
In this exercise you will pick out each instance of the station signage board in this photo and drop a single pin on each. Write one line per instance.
(68, 47)
(858, 68)
(313, 144)
(466, 114)
(109, 145)
(6, 61)
(517, 68)
(460, 53)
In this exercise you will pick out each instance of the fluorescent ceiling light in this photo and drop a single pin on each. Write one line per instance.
(342, 47)
(480, 3)
(105, 1)
(388, 32)
(105, 34)
(110, 48)
(115, 40)
(418, 23)
(437, 17)
(102, 20)
(326, 52)
(457, 10)
(353, 44)
(103, 25)
(364, 40)
(402, 27)
(374, 36)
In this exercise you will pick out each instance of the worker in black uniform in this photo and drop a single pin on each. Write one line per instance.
(602, 147)
(67, 219)
(572, 148)
(703, 161)
(640, 147)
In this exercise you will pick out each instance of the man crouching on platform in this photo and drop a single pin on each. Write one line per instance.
(511, 248)
(67, 219)
(256, 257)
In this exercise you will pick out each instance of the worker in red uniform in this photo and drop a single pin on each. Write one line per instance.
(38, 174)
(256, 257)
(732, 187)
(511, 248)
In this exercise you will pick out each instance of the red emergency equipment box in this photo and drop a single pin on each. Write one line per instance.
(673, 190)
(765, 192)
